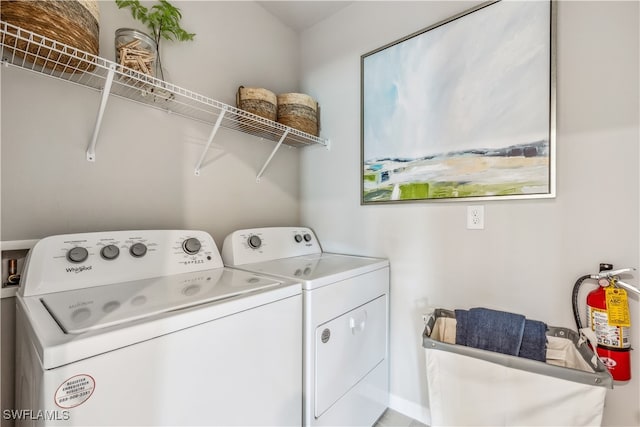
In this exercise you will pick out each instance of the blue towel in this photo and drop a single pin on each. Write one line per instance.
(503, 332)
(534, 341)
(461, 327)
(494, 330)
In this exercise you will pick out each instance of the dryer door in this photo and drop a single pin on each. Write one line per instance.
(347, 349)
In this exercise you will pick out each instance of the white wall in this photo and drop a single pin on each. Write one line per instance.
(531, 251)
(143, 176)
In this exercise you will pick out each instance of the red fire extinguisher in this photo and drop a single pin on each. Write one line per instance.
(608, 317)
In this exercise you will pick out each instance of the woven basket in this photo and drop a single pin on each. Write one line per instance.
(74, 23)
(298, 111)
(257, 101)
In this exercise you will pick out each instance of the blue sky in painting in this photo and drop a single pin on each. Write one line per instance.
(481, 81)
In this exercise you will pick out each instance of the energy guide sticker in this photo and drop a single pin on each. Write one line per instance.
(75, 391)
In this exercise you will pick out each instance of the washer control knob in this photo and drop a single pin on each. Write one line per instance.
(138, 250)
(254, 242)
(298, 238)
(77, 254)
(110, 252)
(307, 237)
(191, 246)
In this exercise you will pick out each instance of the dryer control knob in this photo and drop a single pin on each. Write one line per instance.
(191, 246)
(138, 250)
(110, 252)
(298, 238)
(254, 242)
(77, 254)
(307, 237)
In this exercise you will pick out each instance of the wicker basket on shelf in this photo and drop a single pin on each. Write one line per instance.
(258, 101)
(74, 23)
(298, 111)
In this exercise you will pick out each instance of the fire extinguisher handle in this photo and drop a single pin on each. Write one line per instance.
(611, 273)
(628, 287)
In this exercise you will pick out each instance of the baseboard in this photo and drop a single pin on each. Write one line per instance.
(410, 409)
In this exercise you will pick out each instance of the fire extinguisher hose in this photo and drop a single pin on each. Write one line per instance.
(574, 300)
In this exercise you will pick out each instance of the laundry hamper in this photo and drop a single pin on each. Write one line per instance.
(469, 386)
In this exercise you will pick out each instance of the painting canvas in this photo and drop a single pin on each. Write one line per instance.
(463, 109)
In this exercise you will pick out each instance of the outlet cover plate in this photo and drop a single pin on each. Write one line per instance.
(475, 217)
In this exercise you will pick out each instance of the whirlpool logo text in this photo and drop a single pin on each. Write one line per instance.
(79, 269)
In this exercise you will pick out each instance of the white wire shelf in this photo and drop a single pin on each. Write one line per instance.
(39, 54)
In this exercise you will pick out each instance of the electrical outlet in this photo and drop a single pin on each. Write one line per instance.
(475, 217)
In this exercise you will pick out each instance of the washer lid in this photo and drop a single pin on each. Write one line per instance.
(89, 309)
(318, 270)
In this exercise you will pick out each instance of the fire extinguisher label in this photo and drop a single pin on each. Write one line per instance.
(611, 336)
(617, 307)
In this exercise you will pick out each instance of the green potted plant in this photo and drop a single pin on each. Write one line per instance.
(163, 22)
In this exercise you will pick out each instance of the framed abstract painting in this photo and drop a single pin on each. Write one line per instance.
(463, 109)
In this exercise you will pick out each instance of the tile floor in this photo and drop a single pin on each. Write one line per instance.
(392, 418)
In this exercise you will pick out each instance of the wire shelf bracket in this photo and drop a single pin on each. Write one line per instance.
(211, 136)
(273, 153)
(91, 149)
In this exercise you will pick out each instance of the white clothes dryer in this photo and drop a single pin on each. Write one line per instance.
(149, 328)
(345, 315)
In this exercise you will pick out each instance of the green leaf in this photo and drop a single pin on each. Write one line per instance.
(163, 19)
(138, 11)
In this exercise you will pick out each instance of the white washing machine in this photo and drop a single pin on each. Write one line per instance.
(345, 315)
(149, 328)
